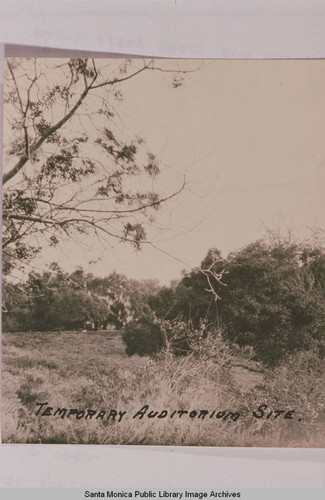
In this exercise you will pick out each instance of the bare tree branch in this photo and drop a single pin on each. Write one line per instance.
(62, 191)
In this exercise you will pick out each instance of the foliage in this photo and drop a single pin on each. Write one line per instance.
(143, 336)
(70, 170)
(267, 295)
(190, 300)
(149, 335)
(273, 301)
(55, 300)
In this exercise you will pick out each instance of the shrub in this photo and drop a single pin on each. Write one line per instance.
(269, 297)
(143, 336)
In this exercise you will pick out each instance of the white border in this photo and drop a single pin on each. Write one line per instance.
(163, 28)
(169, 28)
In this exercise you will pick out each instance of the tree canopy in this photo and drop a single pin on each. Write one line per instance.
(268, 295)
(56, 300)
(70, 167)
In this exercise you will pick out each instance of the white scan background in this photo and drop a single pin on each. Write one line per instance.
(163, 28)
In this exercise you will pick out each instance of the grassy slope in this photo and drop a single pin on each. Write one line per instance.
(91, 370)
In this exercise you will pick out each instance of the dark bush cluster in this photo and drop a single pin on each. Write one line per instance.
(56, 300)
(267, 296)
(143, 336)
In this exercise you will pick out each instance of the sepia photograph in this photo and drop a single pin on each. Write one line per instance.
(163, 252)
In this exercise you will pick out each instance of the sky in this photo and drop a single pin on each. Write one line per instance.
(249, 138)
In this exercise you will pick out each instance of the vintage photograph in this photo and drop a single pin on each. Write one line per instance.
(163, 252)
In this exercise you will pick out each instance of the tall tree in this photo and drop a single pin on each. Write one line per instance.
(70, 168)
(266, 295)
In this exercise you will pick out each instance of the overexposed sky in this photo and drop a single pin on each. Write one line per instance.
(249, 135)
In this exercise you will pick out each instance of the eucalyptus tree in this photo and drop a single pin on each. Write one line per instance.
(70, 167)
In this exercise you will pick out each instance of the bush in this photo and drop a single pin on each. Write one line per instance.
(149, 335)
(273, 301)
(270, 297)
(143, 336)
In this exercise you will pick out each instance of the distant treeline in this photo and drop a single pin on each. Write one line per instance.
(268, 295)
(60, 301)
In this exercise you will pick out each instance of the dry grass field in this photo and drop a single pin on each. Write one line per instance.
(205, 399)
